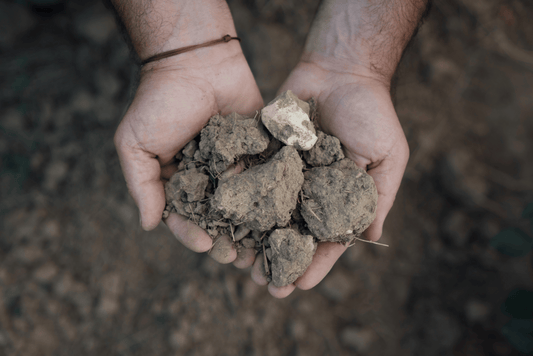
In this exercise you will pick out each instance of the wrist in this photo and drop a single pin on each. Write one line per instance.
(321, 76)
(159, 26)
(362, 37)
(355, 67)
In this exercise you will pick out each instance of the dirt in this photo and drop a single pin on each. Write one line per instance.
(339, 201)
(326, 151)
(333, 202)
(291, 254)
(263, 196)
(229, 137)
(185, 187)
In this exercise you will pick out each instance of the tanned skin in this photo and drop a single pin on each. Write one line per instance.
(350, 56)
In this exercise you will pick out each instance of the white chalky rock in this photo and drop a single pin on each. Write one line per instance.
(287, 119)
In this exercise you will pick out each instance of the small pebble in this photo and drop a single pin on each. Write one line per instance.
(212, 232)
(228, 173)
(220, 224)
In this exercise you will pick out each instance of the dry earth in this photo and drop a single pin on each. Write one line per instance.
(79, 277)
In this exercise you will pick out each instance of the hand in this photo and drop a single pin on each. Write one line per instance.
(358, 110)
(175, 99)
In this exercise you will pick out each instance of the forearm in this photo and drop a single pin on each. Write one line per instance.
(363, 36)
(155, 26)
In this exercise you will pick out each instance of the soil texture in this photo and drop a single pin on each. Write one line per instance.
(339, 201)
(226, 138)
(335, 201)
(291, 254)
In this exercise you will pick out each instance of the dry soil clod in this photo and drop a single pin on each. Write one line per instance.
(326, 151)
(339, 201)
(264, 195)
(186, 187)
(292, 253)
(226, 138)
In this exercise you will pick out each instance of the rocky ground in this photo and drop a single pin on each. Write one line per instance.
(79, 277)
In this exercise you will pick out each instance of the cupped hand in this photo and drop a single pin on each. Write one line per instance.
(358, 110)
(174, 100)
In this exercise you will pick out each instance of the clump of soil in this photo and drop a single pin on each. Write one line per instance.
(326, 151)
(186, 187)
(292, 253)
(285, 200)
(265, 195)
(226, 138)
(339, 201)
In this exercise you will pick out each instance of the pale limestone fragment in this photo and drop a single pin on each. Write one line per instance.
(287, 119)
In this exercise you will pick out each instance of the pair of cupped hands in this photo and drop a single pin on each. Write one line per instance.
(177, 96)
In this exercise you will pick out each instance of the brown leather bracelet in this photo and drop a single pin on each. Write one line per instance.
(175, 52)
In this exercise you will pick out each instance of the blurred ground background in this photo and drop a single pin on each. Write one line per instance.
(79, 277)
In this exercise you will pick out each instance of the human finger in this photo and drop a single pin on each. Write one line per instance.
(189, 234)
(223, 250)
(258, 271)
(327, 253)
(280, 292)
(387, 177)
(245, 258)
(142, 173)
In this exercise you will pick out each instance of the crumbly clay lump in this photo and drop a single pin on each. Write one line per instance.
(296, 188)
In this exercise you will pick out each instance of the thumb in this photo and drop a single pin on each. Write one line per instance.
(142, 173)
(303, 82)
(387, 177)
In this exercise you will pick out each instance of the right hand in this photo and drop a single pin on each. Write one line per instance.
(175, 99)
(358, 110)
